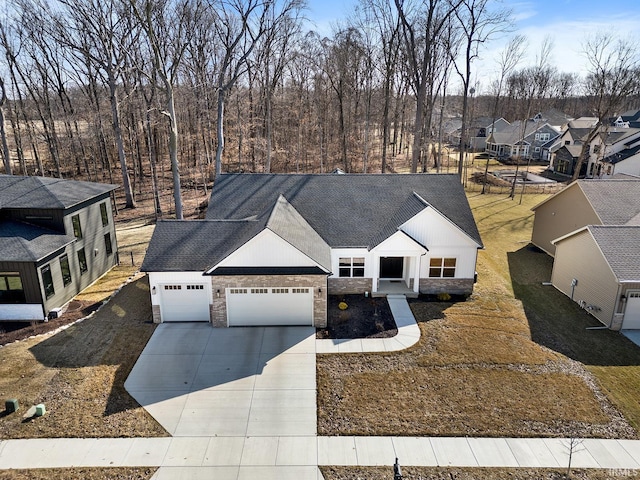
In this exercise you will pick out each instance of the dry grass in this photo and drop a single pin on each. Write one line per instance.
(440, 473)
(111, 473)
(79, 374)
(476, 370)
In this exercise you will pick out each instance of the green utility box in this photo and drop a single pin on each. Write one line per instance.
(11, 405)
(40, 410)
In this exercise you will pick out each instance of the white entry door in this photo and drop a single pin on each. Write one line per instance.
(632, 312)
(264, 306)
(184, 302)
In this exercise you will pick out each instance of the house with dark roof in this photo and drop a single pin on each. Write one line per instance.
(530, 140)
(272, 247)
(56, 238)
(592, 229)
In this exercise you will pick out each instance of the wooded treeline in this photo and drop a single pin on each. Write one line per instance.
(125, 90)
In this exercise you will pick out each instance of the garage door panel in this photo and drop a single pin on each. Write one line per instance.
(632, 312)
(184, 303)
(270, 306)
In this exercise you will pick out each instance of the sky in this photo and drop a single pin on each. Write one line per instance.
(566, 22)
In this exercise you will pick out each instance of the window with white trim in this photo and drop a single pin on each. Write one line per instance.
(173, 287)
(235, 291)
(279, 290)
(195, 287)
(442, 267)
(299, 290)
(351, 267)
(259, 290)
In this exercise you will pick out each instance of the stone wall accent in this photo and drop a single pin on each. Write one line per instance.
(155, 311)
(318, 284)
(349, 286)
(452, 286)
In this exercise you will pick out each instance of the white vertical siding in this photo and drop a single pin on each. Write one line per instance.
(579, 257)
(267, 250)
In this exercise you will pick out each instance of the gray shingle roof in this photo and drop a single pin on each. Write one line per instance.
(286, 222)
(345, 210)
(43, 192)
(21, 242)
(196, 245)
(620, 246)
(616, 202)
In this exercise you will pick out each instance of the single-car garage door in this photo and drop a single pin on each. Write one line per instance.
(269, 306)
(632, 312)
(184, 302)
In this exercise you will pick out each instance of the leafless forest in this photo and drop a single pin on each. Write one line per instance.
(161, 95)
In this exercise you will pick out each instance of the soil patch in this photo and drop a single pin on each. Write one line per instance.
(364, 317)
(14, 331)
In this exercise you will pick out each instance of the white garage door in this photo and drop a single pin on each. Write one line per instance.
(632, 312)
(269, 306)
(184, 302)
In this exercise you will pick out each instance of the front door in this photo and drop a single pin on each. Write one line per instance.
(391, 267)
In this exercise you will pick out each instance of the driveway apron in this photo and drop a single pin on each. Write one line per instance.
(198, 381)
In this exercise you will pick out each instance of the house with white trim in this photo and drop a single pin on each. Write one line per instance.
(273, 246)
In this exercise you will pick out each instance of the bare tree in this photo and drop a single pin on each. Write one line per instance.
(478, 24)
(422, 23)
(168, 26)
(3, 133)
(614, 65)
(101, 31)
(508, 60)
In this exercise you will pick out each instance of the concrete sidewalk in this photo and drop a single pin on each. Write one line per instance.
(408, 334)
(299, 456)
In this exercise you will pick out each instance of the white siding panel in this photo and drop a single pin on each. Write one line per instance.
(267, 250)
(465, 260)
(579, 257)
(398, 244)
(431, 229)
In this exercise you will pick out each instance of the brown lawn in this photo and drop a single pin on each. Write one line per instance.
(477, 370)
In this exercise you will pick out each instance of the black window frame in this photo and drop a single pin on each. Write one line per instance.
(77, 226)
(82, 261)
(107, 243)
(11, 294)
(348, 268)
(47, 286)
(104, 214)
(68, 278)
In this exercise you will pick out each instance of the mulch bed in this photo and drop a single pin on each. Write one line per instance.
(14, 331)
(365, 317)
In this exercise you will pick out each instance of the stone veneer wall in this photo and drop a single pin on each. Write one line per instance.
(318, 283)
(349, 286)
(155, 311)
(454, 286)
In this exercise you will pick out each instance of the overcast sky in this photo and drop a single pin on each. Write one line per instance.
(567, 22)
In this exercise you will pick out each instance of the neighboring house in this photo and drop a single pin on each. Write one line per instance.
(629, 119)
(531, 140)
(483, 127)
(56, 238)
(554, 117)
(613, 150)
(582, 203)
(608, 284)
(273, 246)
(592, 229)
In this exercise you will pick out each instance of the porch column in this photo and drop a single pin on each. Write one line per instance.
(375, 278)
(416, 277)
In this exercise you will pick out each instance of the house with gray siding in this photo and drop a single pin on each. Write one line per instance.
(592, 229)
(57, 237)
(273, 246)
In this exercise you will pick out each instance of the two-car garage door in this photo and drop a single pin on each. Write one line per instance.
(269, 306)
(189, 302)
(632, 312)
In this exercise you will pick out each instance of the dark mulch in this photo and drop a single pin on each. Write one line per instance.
(365, 317)
(14, 331)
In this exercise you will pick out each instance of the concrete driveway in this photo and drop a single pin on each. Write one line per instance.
(228, 382)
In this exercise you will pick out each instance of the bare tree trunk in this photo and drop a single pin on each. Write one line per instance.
(3, 133)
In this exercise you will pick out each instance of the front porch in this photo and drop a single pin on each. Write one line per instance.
(394, 287)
